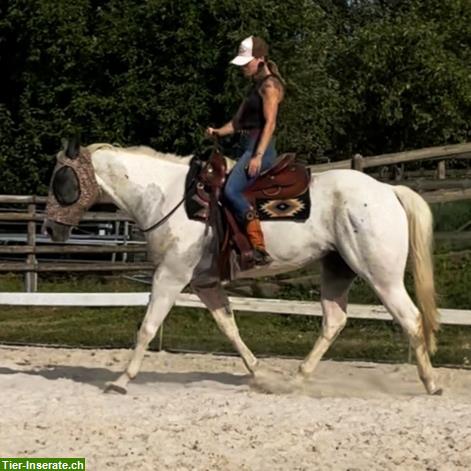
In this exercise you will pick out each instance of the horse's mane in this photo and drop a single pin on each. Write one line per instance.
(142, 150)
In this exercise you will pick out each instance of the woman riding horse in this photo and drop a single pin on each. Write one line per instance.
(255, 121)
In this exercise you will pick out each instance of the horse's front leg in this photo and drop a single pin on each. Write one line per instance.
(216, 300)
(166, 286)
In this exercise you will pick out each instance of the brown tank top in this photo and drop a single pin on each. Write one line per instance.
(251, 115)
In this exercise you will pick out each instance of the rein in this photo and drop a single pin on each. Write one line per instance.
(159, 223)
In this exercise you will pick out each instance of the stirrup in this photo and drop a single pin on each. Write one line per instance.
(261, 256)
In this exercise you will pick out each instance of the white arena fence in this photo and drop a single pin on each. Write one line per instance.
(265, 306)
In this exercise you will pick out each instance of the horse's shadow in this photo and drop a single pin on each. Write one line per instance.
(98, 377)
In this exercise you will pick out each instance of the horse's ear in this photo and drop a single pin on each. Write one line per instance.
(72, 147)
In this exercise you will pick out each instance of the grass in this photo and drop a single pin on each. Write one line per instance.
(194, 329)
(451, 216)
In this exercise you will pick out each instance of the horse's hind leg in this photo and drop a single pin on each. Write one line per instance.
(215, 299)
(336, 279)
(166, 286)
(399, 304)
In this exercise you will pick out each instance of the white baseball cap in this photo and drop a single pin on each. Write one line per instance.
(250, 48)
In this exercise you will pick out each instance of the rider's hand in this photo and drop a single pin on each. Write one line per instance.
(211, 132)
(255, 165)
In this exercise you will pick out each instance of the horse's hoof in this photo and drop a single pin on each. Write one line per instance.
(115, 388)
(438, 392)
(299, 378)
(301, 375)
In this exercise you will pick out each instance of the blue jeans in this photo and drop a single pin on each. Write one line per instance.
(239, 180)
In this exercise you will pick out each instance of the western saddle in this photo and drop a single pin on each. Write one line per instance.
(286, 179)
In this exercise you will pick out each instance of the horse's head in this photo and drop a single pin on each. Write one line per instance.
(73, 189)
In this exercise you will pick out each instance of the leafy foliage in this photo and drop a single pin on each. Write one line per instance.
(362, 76)
(408, 75)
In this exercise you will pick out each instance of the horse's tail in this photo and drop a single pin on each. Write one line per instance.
(420, 222)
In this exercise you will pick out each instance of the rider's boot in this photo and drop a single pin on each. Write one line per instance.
(255, 235)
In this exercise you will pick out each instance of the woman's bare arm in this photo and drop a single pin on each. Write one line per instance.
(272, 95)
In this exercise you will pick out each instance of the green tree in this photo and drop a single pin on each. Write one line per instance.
(406, 70)
(362, 76)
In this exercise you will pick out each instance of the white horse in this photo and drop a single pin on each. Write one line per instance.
(357, 227)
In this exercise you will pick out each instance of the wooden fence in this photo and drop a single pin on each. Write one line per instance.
(437, 190)
(31, 266)
(441, 153)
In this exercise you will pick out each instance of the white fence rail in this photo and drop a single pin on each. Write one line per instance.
(269, 306)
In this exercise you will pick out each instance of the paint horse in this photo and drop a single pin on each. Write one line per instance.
(357, 226)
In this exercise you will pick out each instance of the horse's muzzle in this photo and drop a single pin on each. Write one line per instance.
(56, 231)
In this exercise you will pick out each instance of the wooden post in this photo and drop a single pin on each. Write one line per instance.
(31, 277)
(116, 234)
(441, 170)
(125, 236)
(357, 162)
